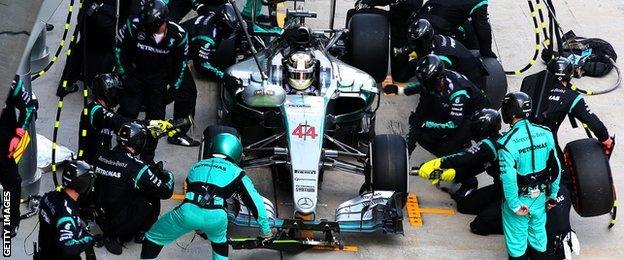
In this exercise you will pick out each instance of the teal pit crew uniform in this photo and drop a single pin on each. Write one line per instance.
(210, 182)
(530, 172)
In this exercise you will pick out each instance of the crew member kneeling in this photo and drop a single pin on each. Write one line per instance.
(129, 191)
(530, 173)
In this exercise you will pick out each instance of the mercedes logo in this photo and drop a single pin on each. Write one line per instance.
(305, 203)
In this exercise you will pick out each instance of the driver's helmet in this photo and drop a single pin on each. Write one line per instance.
(300, 70)
(226, 18)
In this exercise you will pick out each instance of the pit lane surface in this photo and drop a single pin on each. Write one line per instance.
(441, 237)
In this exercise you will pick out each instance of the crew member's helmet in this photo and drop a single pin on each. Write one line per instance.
(107, 88)
(226, 18)
(228, 146)
(562, 68)
(430, 73)
(420, 36)
(133, 135)
(78, 176)
(153, 14)
(300, 70)
(515, 105)
(485, 123)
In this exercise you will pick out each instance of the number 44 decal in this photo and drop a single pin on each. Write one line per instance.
(304, 130)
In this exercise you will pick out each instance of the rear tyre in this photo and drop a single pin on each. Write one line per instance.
(496, 82)
(389, 164)
(369, 42)
(209, 133)
(592, 184)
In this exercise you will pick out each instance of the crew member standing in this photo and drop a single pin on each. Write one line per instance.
(151, 53)
(530, 172)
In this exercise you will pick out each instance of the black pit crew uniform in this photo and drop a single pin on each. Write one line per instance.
(129, 193)
(440, 123)
(400, 16)
(97, 127)
(62, 234)
(484, 202)
(96, 22)
(559, 102)
(458, 58)
(448, 16)
(149, 66)
(27, 105)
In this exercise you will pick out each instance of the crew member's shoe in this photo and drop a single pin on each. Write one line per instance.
(466, 188)
(113, 246)
(12, 230)
(183, 140)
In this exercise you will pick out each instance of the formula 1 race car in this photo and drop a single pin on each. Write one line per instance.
(303, 119)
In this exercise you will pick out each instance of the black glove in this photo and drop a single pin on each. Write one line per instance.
(231, 82)
(66, 87)
(550, 203)
(98, 240)
(157, 168)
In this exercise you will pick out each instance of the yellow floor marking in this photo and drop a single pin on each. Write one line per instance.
(414, 211)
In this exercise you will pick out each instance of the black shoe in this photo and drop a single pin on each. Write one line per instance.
(465, 190)
(139, 237)
(113, 246)
(183, 140)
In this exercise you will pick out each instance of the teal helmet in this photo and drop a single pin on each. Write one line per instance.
(228, 145)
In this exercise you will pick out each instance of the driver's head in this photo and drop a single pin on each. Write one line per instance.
(226, 18)
(430, 73)
(300, 67)
(153, 15)
(107, 88)
(420, 37)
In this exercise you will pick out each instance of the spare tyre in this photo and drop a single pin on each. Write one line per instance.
(592, 184)
(209, 133)
(389, 164)
(496, 82)
(369, 42)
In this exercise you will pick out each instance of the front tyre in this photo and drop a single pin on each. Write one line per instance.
(389, 164)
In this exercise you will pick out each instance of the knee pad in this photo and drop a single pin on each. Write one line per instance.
(150, 250)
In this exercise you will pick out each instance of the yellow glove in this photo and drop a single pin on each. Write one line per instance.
(158, 127)
(447, 175)
(429, 167)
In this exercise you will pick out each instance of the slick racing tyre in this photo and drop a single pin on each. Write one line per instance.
(369, 42)
(389, 164)
(210, 132)
(592, 184)
(496, 82)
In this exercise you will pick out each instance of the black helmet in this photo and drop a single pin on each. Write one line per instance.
(226, 18)
(420, 36)
(430, 70)
(79, 176)
(134, 135)
(153, 14)
(107, 87)
(484, 123)
(515, 105)
(562, 68)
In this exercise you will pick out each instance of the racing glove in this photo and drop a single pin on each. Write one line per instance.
(608, 145)
(551, 203)
(159, 127)
(571, 244)
(447, 175)
(427, 168)
(18, 144)
(231, 82)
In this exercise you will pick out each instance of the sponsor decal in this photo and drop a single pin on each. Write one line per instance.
(305, 203)
(304, 179)
(305, 188)
(298, 105)
(305, 172)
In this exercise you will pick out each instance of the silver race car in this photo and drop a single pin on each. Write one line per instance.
(301, 111)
